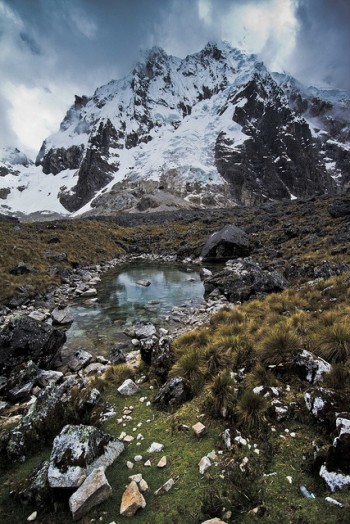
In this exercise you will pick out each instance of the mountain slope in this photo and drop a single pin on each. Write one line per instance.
(211, 130)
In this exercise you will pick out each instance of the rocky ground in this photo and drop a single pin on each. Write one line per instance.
(129, 435)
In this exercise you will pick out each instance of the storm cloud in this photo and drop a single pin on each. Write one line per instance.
(53, 49)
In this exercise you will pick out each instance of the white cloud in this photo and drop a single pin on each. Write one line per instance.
(87, 27)
(269, 29)
(204, 11)
(34, 112)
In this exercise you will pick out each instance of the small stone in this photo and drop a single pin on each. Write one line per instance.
(132, 500)
(137, 478)
(129, 464)
(165, 488)
(128, 438)
(289, 478)
(212, 455)
(143, 282)
(143, 486)
(198, 429)
(333, 501)
(204, 464)
(155, 447)
(33, 516)
(147, 463)
(138, 458)
(162, 463)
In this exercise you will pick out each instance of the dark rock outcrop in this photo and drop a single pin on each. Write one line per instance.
(173, 393)
(339, 208)
(27, 339)
(228, 243)
(244, 280)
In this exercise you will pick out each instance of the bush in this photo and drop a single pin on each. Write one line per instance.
(260, 376)
(221, 395)
(250, 411)
(216, 359)
(334, 342)
(338, 377)
(279, 346)
(117, 373)
(192, 367)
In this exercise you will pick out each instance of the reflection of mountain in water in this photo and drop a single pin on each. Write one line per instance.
(121, 301)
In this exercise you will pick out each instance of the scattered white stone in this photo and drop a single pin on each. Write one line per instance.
(33, 516)
(257, 451)
(165, 488)
(243, 464)
(204, 464)
(240, 440)
(128, 438)
(155, 447)
(333, 501)
(289, 478)
(147, 463)
(129, 464)
(137, 478)
(293, 435)
(162, 463)
(138, 458)
(142, 399)
(343, 425)
(212, 455)
(143, 486)
(148, 403)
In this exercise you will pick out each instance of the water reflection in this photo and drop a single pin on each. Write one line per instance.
(122, 302)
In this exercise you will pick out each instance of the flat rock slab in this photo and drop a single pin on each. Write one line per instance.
(199, 429)
(165, 488)
(62, 316)
(94, 490)
(132, 500)
(145, 330)
(77, 451)
(79, 360)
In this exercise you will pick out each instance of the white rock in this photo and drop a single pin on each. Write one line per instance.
(94, 490)
(204, 464)
(333, 479)
(32, 516)
(155, 447)
(128, 388)
(132, 500)
(198, 429)
(165, 488)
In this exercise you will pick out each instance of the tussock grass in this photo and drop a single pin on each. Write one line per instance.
(250, 412)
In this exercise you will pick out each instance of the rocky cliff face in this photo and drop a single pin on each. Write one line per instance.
(211, 130)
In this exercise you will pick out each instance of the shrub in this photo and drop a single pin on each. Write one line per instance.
(216, 359)
(191, 366)
(117, 373)
(279, 345)
(250, 411)
(334, 342)
(260, 376)
(221, 395)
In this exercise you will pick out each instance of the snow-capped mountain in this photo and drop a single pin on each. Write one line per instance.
(213, 129)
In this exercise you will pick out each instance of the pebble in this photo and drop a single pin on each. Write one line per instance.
(147, 463)
(129, 464)
(138, 458)
(33, 516)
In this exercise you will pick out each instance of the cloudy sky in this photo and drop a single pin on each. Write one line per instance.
(53, 49)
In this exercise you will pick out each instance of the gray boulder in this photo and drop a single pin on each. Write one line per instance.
(230, 242)
(93, 491)
(77, 451)
(128, 388)
(245, 279)
(79, 359)
(62, 316)
(26, 339)
(145, 330)
(162, 358)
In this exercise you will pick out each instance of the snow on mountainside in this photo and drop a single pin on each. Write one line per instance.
(213, 129)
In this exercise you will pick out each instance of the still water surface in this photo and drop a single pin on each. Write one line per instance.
(122, 302)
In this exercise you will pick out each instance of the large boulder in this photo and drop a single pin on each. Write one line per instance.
(228, 243)
(26, 339)
(162, 358)
(55, 407)
(243, 280)
(310, 367)
(77, 451)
